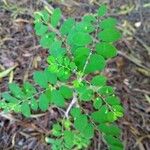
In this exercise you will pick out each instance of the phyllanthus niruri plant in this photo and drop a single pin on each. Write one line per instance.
(73, 81)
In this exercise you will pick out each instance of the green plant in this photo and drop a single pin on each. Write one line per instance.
(73, 81)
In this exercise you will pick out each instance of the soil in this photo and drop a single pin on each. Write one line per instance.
(129, 72)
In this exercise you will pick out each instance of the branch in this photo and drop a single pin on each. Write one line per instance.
(74, 100)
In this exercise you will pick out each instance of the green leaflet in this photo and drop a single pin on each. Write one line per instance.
(109, 129)
(112, 141)
(81, 39)
(85, 26)
(108, 23)
(43, 102)
(106, 90)
(44, 77)
(99, 81)
(102, 10)
(113, 100)
(34, 104)
(107, 50)
(25, 109)
(66, 92)
(81, 122)
(29, 89)
(96, 63)
(100, 116)
(97, 103)
(85, 94)
(81, 55)
(56, 16)
(89, 18)
(69, 139)
(75, 112)
(40, 28)
(109, 35)
(57, 98)
(9, 98)
(56, 50)
(47, 40)
(67, 26)
(56, 130)
(16, 90)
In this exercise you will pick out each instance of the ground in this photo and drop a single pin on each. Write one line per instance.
(129, 72)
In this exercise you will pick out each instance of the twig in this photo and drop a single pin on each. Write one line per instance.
(74, 100)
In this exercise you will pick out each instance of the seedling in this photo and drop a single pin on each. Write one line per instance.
(73, 81)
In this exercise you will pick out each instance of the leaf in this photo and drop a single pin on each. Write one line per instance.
(43, 102)
(101, 115)
(57, 130)
(106, 90)
(81, 55)
(85, 94)
(47, 40)
(56, 16)
(80, 122)
(75, 112)
(25, 109)
(16, 90)
(69, 139)
(40, 78)
(9, 98)
(40, 28)
(99, 80)
(45, 15)
(29, 89)
(119, 110)
(51, 77)
(56, 50)
(113, 100)
(89, 18)
(109, 35)
(107, 50)
(57, 98)
(108, 23)
(109, 129)
(88, 132)
(34, 104)
(97, 103)
(96, 63)
(66, 92)
(102, 10)
(113, 141)
(66, 26)
(81, 39)
(86, 27)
